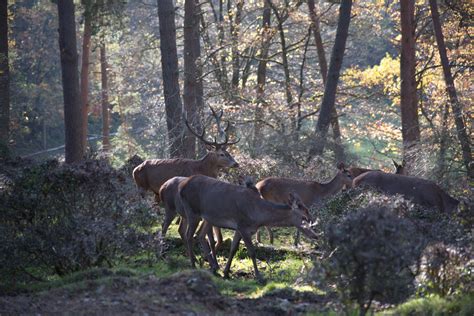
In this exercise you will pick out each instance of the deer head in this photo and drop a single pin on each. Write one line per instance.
(217, 151)
(301, 218)
(344, 174)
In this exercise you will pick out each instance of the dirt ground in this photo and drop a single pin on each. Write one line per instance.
(186, 293)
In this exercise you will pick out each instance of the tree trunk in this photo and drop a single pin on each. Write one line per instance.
(70, 77)
(86, 42)
(408, 96)
(191, 31)
(105, 100)
(286, 68)
(199, 82)
(261, 77)
(453, 98)
(330, 89)
(4, 81)
(234, 31)
(170, 75)
(323, 66)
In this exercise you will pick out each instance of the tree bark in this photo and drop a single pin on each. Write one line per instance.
(286, 68)
(199, 82)
(105, 100)
(451, 89)
(235, 30)
(70, 78)
(191, 31)
(86, 42)
(4, 80)
(408, 96)
(330, 89)
(261, 77)
(170, 75)
(323, 66)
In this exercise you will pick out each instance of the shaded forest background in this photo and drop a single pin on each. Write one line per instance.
(259, 62)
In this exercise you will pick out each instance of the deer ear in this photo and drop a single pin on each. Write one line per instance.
(341, 166)
(404, 163)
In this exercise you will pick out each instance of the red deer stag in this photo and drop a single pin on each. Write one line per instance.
(236, 207)
(151, 174)
(421, 191)
(278, 189)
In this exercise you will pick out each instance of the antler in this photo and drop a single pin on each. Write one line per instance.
(202, 135)
(218, 118)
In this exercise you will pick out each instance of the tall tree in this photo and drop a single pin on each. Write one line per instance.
(105, 99)
(451, 89)
(408, 96)
(191, 32)
(234, 33)
(261, 78)
(86, 44)
(323, 66)
(170, 74)
(70, 78)
(4, 80)
(330, 88)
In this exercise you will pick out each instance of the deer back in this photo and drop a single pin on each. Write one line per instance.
(310, 192)
(421, 191)
(233, 206)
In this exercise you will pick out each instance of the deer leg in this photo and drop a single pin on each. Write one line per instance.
(169, 216)
(190, 230)
(270, 234)
(218, 233)
(233, 249)
(251, 251)
(212, 243)
(208, 253)
(297, 238)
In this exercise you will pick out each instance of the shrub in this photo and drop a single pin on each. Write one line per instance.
(446, 270)
(373, 255)
(65, 218)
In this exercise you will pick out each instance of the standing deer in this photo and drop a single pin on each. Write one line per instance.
(152, 174)
(236, 207)
(278, 189)
(421, 191)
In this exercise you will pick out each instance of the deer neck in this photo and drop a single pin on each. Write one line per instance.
(208, 166)
(331, 187)
(272, 214)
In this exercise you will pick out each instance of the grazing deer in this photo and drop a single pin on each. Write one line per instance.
(421, 191)
(236, 207)
(278, 189)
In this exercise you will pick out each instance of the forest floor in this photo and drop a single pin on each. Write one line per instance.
(170, 287)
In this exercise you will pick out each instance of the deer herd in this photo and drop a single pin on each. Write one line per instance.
(189, 188)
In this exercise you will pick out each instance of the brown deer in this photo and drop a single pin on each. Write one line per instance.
(399, 169)
(236, 207)
(278, 189)
(421, 191)
(151, 174)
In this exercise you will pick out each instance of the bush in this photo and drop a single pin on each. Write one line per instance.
(65, 218)
(373, 256)
(446, 270)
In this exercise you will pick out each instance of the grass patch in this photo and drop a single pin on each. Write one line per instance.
(435, 305)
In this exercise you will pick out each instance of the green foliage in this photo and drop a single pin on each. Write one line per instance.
(64, 218)
(373, 252)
